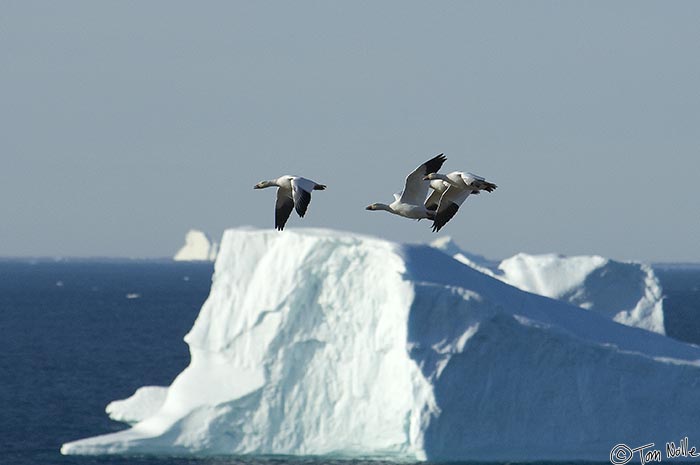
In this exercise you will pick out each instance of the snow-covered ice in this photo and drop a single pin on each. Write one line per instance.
(142, 404)
(198, 247)
(314, 342)
(626, 292)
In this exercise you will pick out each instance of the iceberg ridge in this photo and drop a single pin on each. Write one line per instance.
(626, 292)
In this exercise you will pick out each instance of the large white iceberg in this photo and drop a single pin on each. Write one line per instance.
(319, 343)
(198, 247)
(627, 292)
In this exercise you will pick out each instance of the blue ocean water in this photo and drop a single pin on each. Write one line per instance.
(75, 335)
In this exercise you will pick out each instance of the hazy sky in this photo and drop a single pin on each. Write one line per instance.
(124, 124)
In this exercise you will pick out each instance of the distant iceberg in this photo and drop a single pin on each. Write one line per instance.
(626, 292)
(314, 342)
(198, 247)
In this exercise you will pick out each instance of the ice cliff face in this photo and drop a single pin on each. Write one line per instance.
(197, 247)
(320, 343)
(626, 292)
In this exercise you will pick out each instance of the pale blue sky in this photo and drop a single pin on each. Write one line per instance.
(126, 123)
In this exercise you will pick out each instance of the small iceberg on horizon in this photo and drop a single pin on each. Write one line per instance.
(198, 247)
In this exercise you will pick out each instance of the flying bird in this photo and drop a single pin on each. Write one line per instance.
(410, 202)
(293, 193)
(468, 181)
(450, 191)
(439, 187)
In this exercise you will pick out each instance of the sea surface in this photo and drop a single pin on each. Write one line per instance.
(77, 334)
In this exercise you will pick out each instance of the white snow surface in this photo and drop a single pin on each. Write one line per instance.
(314, 342)
(626, 292)
(198, 247)
(142, 404)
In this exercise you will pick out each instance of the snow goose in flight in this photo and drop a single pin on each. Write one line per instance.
(294, 192)
(450, 191)
(440, 182)
(410, 202)
(439, 187)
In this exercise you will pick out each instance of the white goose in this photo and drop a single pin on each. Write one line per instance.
(439, 187)
(468, 181)
(410, 202)
(294, 192)
(450, 191)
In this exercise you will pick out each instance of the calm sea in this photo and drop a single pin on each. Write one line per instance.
(75, 335)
